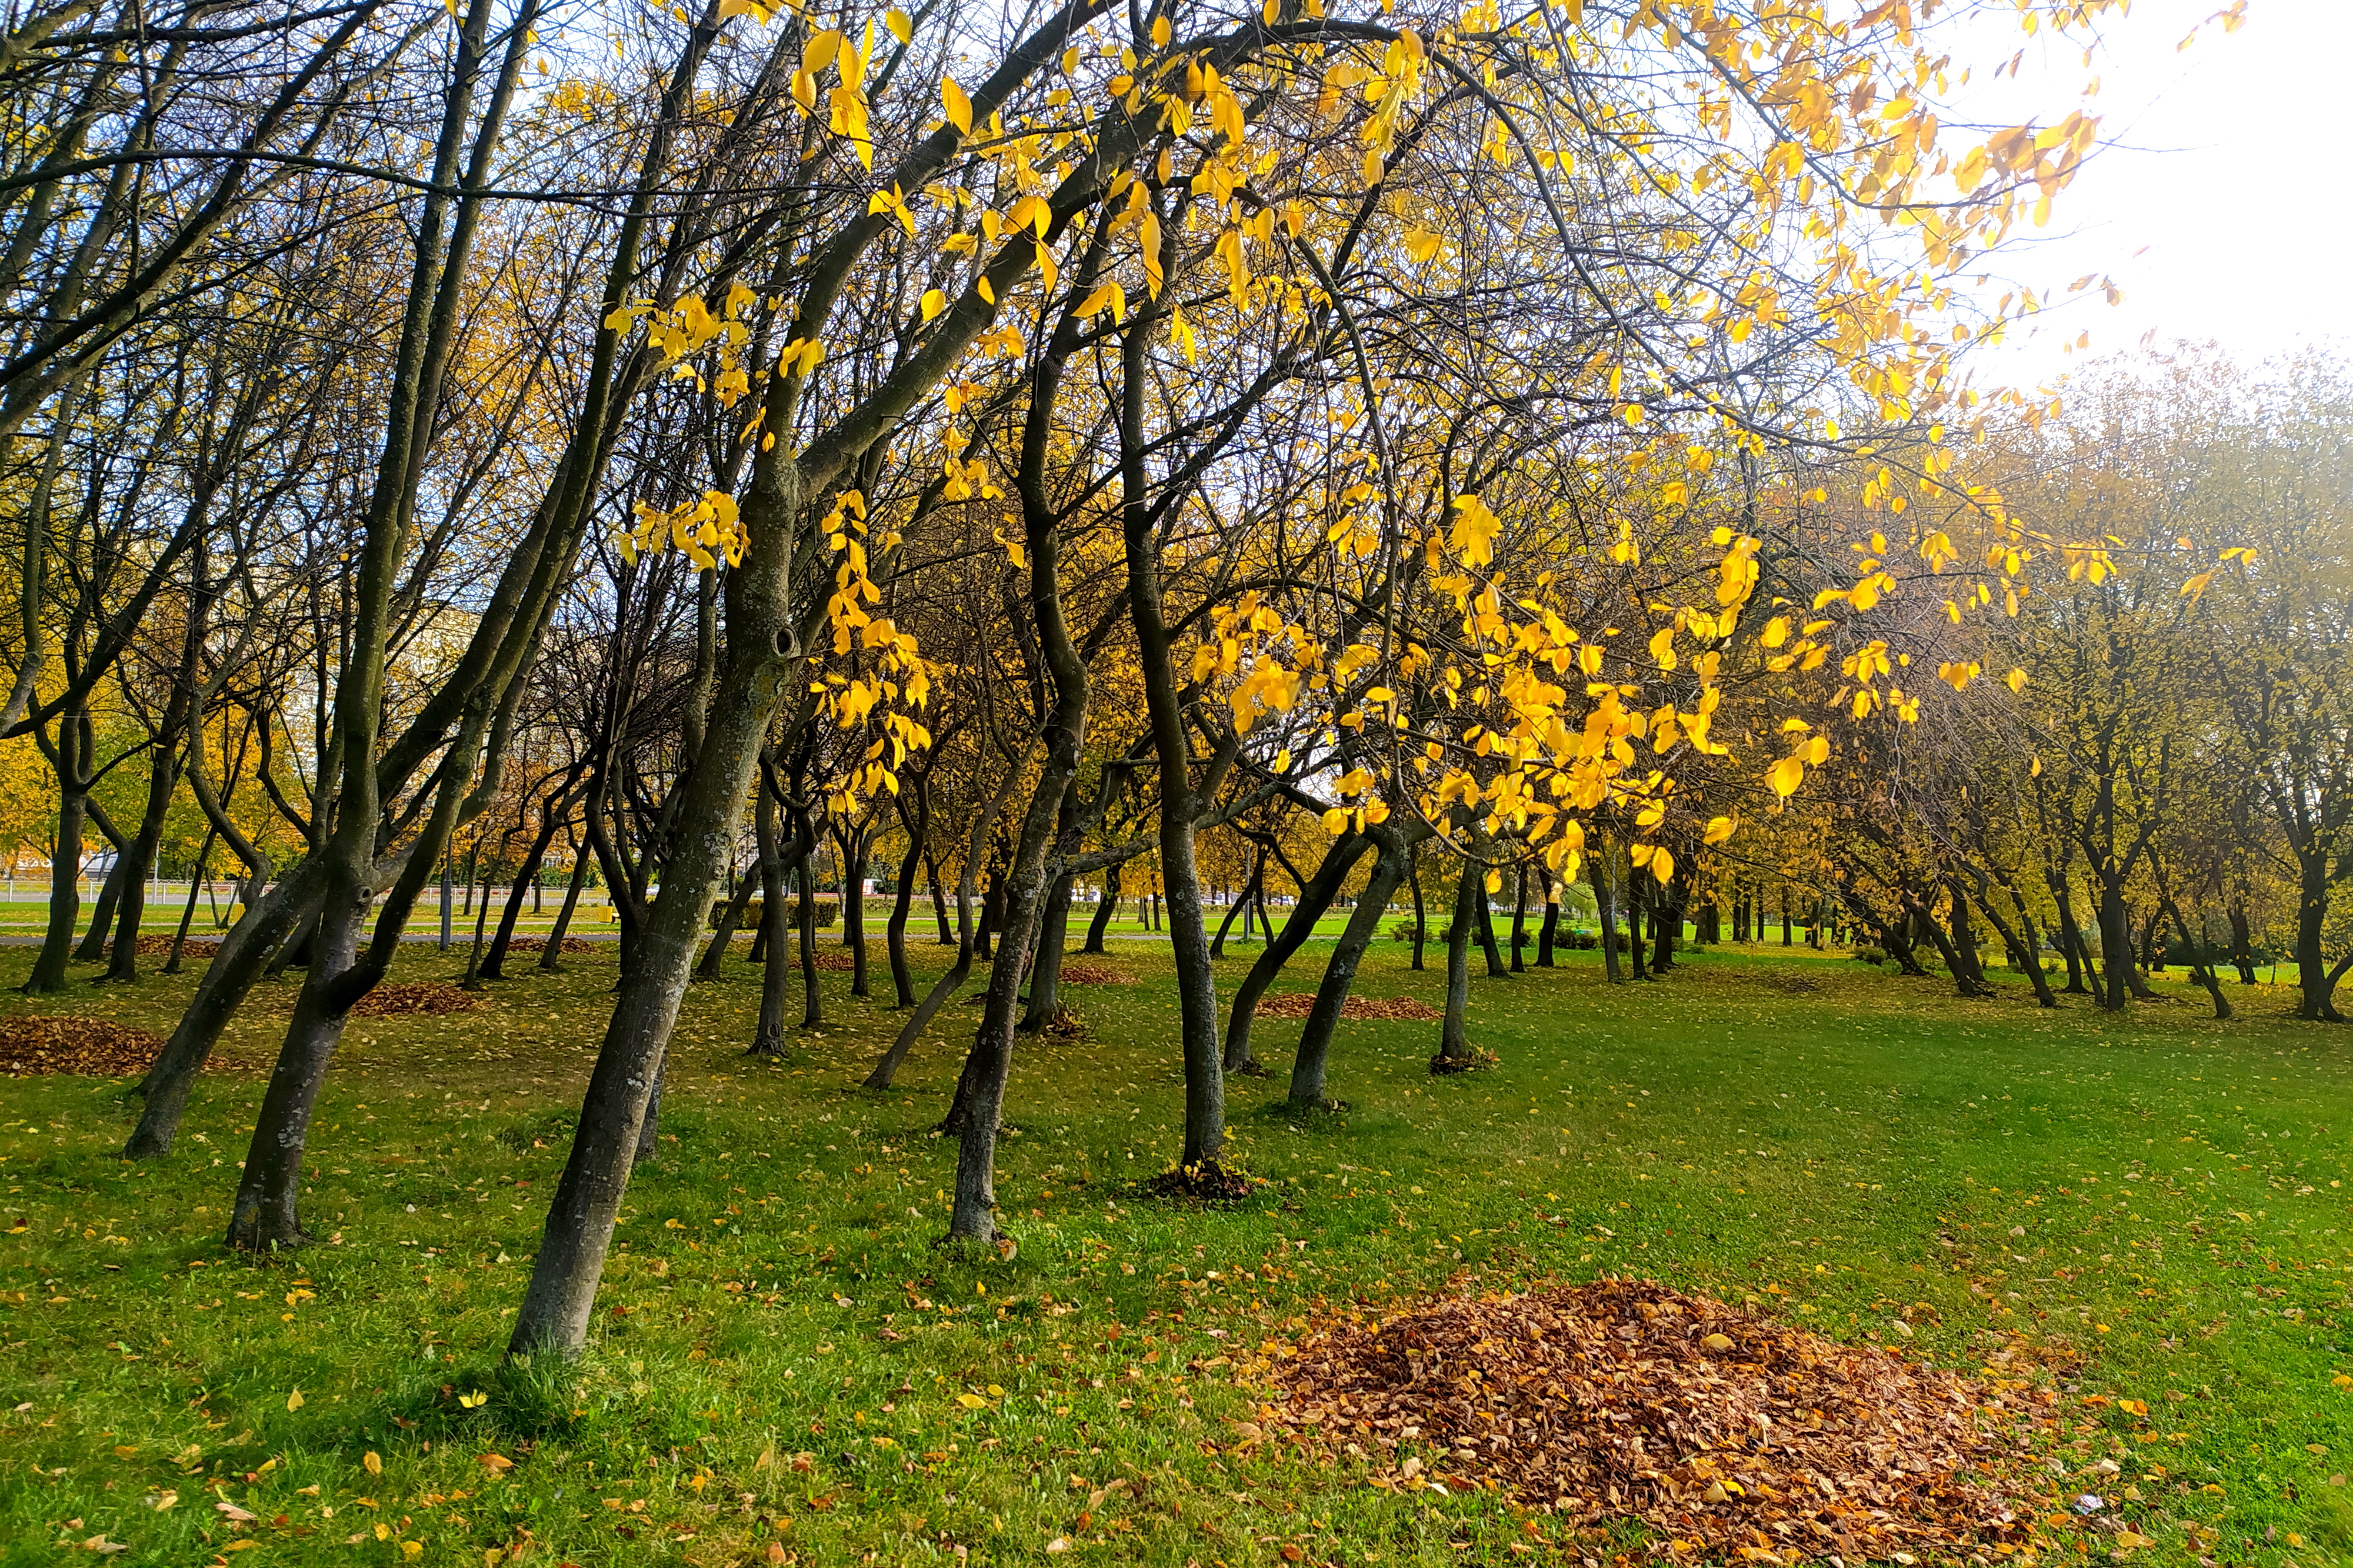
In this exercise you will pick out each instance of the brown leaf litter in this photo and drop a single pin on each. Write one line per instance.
(572, 944)
(1299, 1004)
(159, 946)
(412, 997)
(1093, 974)
(1718, 1428)
(92, 1048)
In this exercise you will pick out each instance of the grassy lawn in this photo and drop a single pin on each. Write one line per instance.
(786, 1371)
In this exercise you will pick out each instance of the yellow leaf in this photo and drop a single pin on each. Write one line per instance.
(373, 1462)
(1420, 243)
(1719, 829)
(934, 301)
(972, 1402)
(752, 8)
(2015, 680)
(902, 28)
(958, 107)
(620, 320)
(294, 1400)
(1663, 863)
(1786, 776)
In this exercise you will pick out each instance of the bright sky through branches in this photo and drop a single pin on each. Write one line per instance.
(2224, 173)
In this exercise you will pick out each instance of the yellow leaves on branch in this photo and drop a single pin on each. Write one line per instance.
(1472, 535)
(703, 530)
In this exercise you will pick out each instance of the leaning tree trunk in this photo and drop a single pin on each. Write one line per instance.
(1485, 928)
(1046, 965)
(550, 955)
(768, 1035)
(1106, 906)
(1323, 886)
(189, 913)
(894, 934)
(1308, 1067)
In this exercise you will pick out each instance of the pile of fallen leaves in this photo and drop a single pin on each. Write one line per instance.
(1299, 1004)
(538, 944)
(1623, 1398)
(1093, 974)
(90, 1046)
(160, 947)
(412, 997)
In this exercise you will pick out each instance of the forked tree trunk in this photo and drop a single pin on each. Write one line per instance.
(1323, 887)
(1308, 1067)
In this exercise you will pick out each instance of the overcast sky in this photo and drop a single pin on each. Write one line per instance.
(2224, 204)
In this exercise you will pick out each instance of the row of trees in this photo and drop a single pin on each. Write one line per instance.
(1272, 447)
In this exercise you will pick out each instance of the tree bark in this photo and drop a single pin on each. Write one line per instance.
(1308, 1066)
(1321, 887)
(1454, 1053)
(1106, 906)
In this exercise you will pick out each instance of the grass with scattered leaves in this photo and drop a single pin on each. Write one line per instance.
(785, 1369)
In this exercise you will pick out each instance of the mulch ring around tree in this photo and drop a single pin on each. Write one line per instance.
(92, 1048)
(414, 997)
(1093, 974)
(1719, 1429)
(1299, 1004)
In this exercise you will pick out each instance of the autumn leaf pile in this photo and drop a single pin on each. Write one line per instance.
(1718, 1428)
(538, 944)
(157, 946)
(1093, 974)
(90, 1046)
(423, 996)
(1299, 1004)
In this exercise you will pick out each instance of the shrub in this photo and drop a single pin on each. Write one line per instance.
(1869, 955)
(1403, 931)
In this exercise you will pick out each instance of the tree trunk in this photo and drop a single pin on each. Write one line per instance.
(188, 914)
(1520, 919)
(1239, 907)
(768, 1035)
(1420, 918)
(74, 737)
(2242, 944)
(948, 937)
(1106, 906)
(1549, 931)
(2316, 987)
(526, 883)
(1486, 931)
(812, 999)
(894, 935)
(1307, 1068)
(853, 907)
(1323, 887)
(1453, 1039)
(1604, 878)
(554, 951)
(1046, 960)
(722, 935)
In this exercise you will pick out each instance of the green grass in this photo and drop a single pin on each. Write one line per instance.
(783, 1357)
